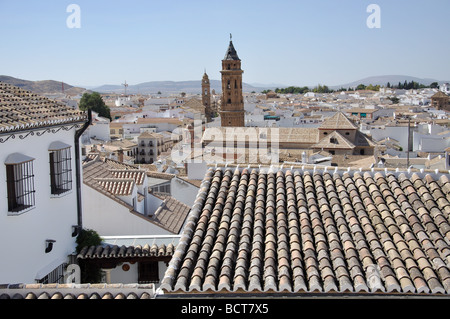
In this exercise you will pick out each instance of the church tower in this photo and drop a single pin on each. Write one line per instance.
(206, 97)
(232, 107)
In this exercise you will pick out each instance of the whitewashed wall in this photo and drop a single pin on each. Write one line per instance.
(399, 133)
(119, 276)
(23, 236)
(110, 218)
(183, 191)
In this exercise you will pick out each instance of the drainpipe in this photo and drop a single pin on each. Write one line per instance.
(78, 134)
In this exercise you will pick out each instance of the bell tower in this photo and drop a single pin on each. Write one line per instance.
(206, 97)
(232, 107)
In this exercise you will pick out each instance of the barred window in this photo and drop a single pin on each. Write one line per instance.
(60, 168)
(20, 182)
(148, 272)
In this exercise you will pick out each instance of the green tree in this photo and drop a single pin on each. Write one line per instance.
(87, 237)
(94, 102)
(361, 87)
(373, 87)
(321, 89)
(90, 272)
(394, 99)
(434, 85)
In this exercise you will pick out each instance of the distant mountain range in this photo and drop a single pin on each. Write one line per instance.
(40, 87)
(194, 87)
(165, 87)
(384, 79)
(191, 87)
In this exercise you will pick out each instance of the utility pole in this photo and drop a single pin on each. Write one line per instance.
(407, 153)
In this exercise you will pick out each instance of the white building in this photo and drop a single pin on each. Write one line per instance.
(117, 202)
(40, 209)
(125, 101)
(445, 87)
(98, 130)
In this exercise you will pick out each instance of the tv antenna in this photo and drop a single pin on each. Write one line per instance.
(125, 85)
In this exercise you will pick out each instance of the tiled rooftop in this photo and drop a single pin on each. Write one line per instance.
(338, 121)
(115, 251)
(20, 110)
(335, 140)
(117, 186)
(299, 231)
(77, 291)
(137, 175)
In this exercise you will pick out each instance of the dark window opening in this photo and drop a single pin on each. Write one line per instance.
(20, 186)
(60, 171)
(148, 272)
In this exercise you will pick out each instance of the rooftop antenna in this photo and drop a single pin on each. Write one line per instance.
(125, 85)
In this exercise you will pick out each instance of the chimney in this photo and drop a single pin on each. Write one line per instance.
(120, 155)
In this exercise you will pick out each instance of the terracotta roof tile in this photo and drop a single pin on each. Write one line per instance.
(21, 109)
(78, 291)
(301, 231)
(114, 251)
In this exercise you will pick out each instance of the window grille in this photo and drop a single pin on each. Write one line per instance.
(55, 276)
(148, 272)
(60, 171)
(20, 185)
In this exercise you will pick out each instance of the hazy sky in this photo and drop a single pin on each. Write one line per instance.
(289, 42)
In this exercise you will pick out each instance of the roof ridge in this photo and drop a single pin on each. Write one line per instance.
(338, 121)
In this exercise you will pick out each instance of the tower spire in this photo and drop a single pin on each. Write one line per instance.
(232, 106)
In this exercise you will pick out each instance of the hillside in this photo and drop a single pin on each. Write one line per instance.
(384, 79)
(165, 87)
(41, 87)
